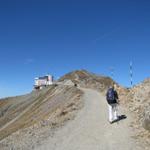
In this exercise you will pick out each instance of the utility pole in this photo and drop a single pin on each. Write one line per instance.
(131, 73)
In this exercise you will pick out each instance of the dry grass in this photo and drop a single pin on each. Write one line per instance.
(41, 108)
(137, 100)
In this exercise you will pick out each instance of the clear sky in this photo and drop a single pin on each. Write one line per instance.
(57, 36)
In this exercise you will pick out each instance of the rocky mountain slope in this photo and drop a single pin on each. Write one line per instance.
(86, 79)
(35, 113)
(138, 102)
(91, 130)
(83, 78)
(52, 106)
(36, 116)
(136, 99)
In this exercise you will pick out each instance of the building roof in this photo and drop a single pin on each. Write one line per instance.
(43, 78)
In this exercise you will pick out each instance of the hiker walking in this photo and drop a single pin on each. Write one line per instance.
(112, 99)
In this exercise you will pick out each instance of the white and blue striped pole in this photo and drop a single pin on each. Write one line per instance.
(131, 73)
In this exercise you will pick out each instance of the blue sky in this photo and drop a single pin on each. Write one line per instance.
(57, 36)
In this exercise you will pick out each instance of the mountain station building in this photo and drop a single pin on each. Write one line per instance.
(44, 81)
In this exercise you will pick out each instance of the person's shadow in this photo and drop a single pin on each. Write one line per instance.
(121, 117)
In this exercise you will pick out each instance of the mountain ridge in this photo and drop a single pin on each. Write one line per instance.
(55, 105)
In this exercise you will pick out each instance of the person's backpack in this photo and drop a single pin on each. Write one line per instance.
(111, 96)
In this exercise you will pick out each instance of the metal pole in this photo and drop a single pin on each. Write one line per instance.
(131, 73)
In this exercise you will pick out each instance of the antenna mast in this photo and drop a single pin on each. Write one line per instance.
(131, 73)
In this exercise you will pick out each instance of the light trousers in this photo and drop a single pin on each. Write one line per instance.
(113, 112)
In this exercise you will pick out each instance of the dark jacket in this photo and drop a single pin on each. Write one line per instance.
(115, 97)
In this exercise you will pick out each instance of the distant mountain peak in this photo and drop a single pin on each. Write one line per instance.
(88, 79)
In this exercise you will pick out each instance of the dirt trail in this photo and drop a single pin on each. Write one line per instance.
(91, 130)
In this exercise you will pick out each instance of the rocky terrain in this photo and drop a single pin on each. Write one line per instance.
(83, 78)
(37, 116)
(137, 99)
(32, 115)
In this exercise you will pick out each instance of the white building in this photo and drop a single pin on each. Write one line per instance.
(44, 81)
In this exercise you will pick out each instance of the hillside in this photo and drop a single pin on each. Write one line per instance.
(53, 103)
(87, 79)
(43, 115)
(138, 102)
(50, 107)
(91, 130)
(90, 80)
